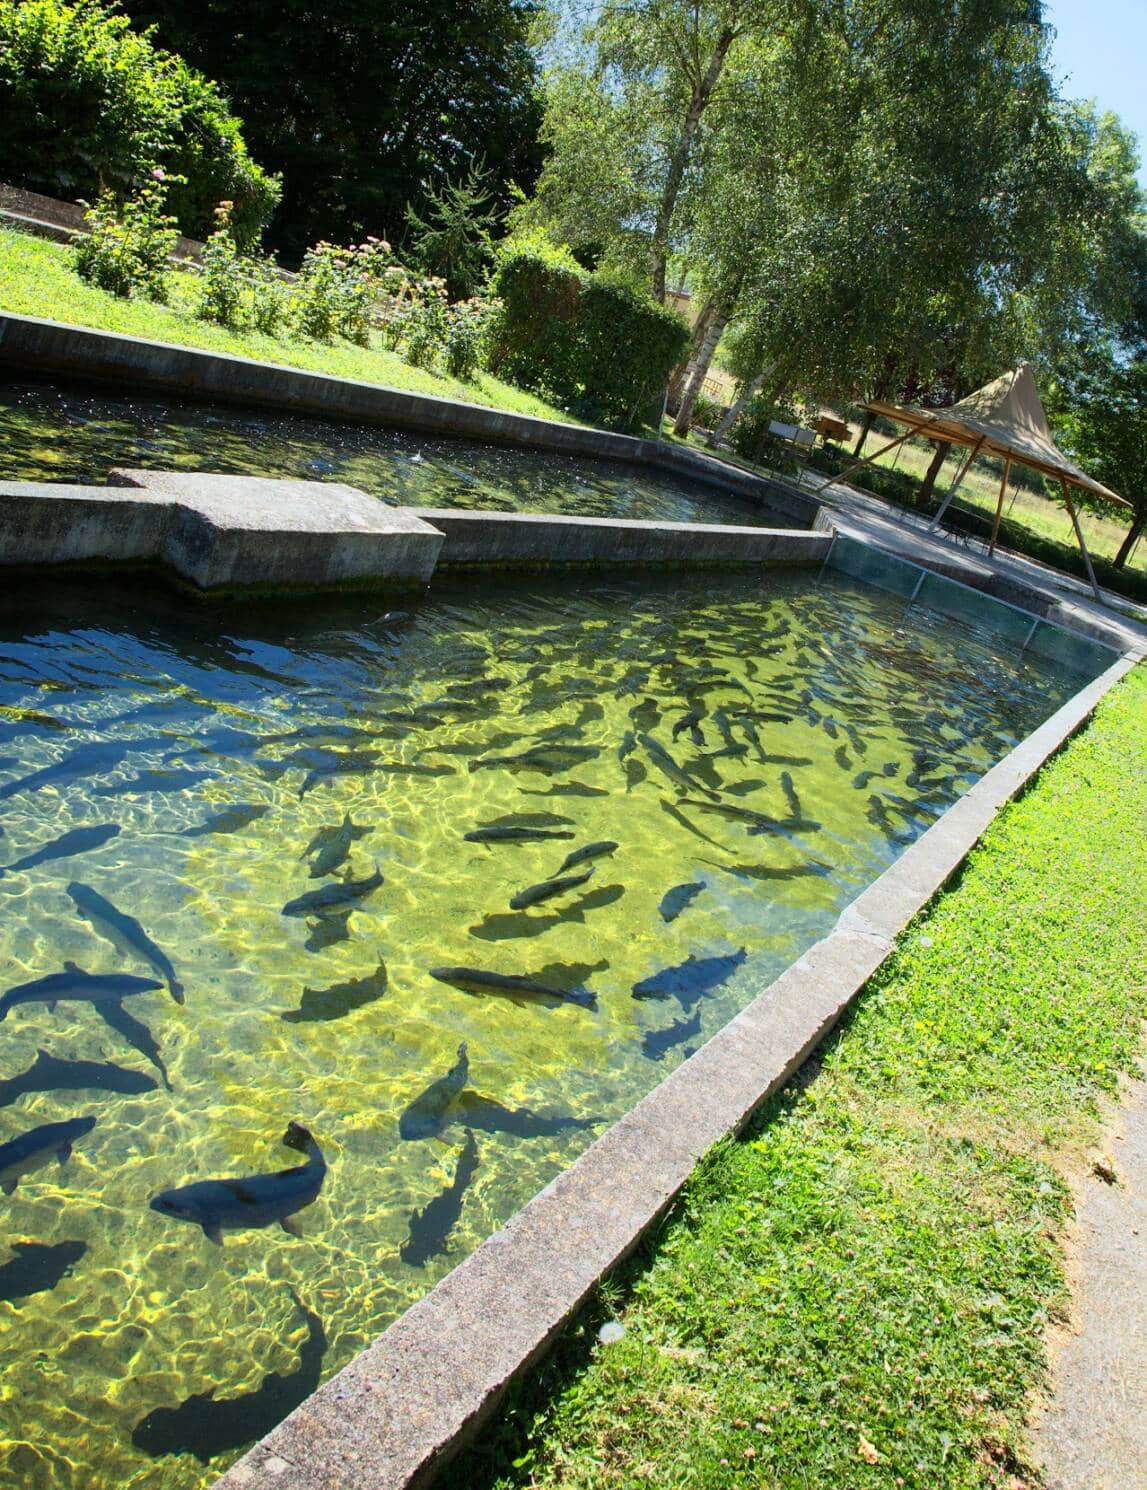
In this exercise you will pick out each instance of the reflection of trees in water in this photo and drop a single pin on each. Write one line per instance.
(59, 434)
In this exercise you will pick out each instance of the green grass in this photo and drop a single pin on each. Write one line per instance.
(855, 1296)
(36, 279)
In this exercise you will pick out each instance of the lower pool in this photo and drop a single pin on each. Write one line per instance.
(54, 433)
(326, 841)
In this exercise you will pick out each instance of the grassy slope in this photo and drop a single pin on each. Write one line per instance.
(856, 1294)
(36, 279)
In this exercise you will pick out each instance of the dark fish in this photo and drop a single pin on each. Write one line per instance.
(745, 788)
(511, 985)
(90, 760)
(678, 816)
(415, 768)
(661, 758)
(792, 800)
(540, 758)
(325, 929)
(588, 851)
(344, 763)
(656, 1044)
(566, 789)
(842, 758)
(506, 833)
(253, 1200)
(339, 999)
(724, 726)
(759, 822)
(39, 1146)
(510, 927)
(688, 980)
(628, 745)
(430, 1227)
(690, 722)
(489, 1116)
(330, 846)
(228, 821)
(48, 1074)
(645, 715)
(635, 773)
(124, 932)
(208, 1427)
(590, 713)
(73, 983)
(135, 1032)
(674, 901)
(37, 1268)
(155, 781)
(548, 889)
(423, 1118)
(331, 897)
(771, 872)
(74, 841)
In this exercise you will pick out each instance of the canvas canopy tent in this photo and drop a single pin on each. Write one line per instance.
(1004, 418)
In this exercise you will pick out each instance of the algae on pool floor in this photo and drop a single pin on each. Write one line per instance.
(771, 740)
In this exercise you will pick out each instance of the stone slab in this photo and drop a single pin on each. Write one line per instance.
(391, 1419)
(518, 540)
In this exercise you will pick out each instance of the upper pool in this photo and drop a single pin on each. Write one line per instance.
(726, 764)
(53, 433)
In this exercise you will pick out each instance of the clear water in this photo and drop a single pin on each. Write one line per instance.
(156, 721)
(49, 433)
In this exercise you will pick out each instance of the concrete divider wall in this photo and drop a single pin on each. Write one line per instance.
(75, 352)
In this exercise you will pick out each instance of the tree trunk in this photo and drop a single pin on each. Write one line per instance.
(1138, 522)
(865, 430)
(684, 370)
(924, 495)
(679, 159)
(701, 367)
(743, 398)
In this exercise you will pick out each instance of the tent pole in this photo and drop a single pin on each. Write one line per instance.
(1082, 544)
(1000, 507)
(954, 488)
(867, 461)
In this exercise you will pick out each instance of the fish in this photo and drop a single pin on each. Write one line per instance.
(656, 1044)
(540, 758)
(135, 1032)
(91, 760)
(842, 758)
(505, 927)
(39, 1146)
(423, 1117)
(692, 723)
(759, 822)
(590, 713)
(792, 800)
(745, 788)
(325, 929)
(688, 980)
(125, 933)
(332, 896)
(37, 1268)
(251, 1201)
(772, 872)
(339, 999)
(674, 901)
(429, 1229)
(511, 985)
(724, 726)
(345, 763)
(474, 1110)
(627, 747)
(74, 841)
(155, 781)
(645, 715)
(228, 821)
(330, 846)
(549, 888)
(750, 731)
(507, 833)
(72, 984)
(207, 1426)
(661, 758)
(678, 816)
(635, 773)
(49, 1074)
(567, 789)
(588, 851)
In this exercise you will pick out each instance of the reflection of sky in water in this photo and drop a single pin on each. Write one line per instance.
(52, 434)
(771, 741)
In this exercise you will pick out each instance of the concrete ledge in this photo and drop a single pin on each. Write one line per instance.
(416, 1395)
(516, 540)
(49, 347)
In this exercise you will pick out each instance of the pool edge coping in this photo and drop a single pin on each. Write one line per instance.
(396, 1414)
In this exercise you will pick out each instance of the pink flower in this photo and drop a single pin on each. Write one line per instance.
(159, 174)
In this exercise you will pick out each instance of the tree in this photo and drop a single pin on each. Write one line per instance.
(367, 107)
(455, 239)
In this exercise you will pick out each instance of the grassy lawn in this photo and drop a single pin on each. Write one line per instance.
(856, 1294)
(36, 279)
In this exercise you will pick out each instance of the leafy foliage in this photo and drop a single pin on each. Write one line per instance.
(750, 435)
(585, 339)
(454, 242)
(89, 105)
(127, 249)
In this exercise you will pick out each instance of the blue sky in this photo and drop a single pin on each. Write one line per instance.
(1100, 52)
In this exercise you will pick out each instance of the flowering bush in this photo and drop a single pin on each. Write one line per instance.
(221, 289)
(338, 287)
(127, 248)
(467, 328)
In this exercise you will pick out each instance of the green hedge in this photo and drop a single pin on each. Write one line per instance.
(88, 103)
(583, 340)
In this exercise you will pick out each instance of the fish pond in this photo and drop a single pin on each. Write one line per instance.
(433, 896)
(54, 433)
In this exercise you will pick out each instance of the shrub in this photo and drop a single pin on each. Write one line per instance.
(581, 338)
(466, 334)
(224, 280)
(426, 322)
(749, 435)
(706, 412)
(270, 295)
(90, 105)
(127, 249)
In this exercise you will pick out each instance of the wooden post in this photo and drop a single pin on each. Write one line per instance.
(1000, 507)
(954, 488)
(1082, 544)
(867, 461)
